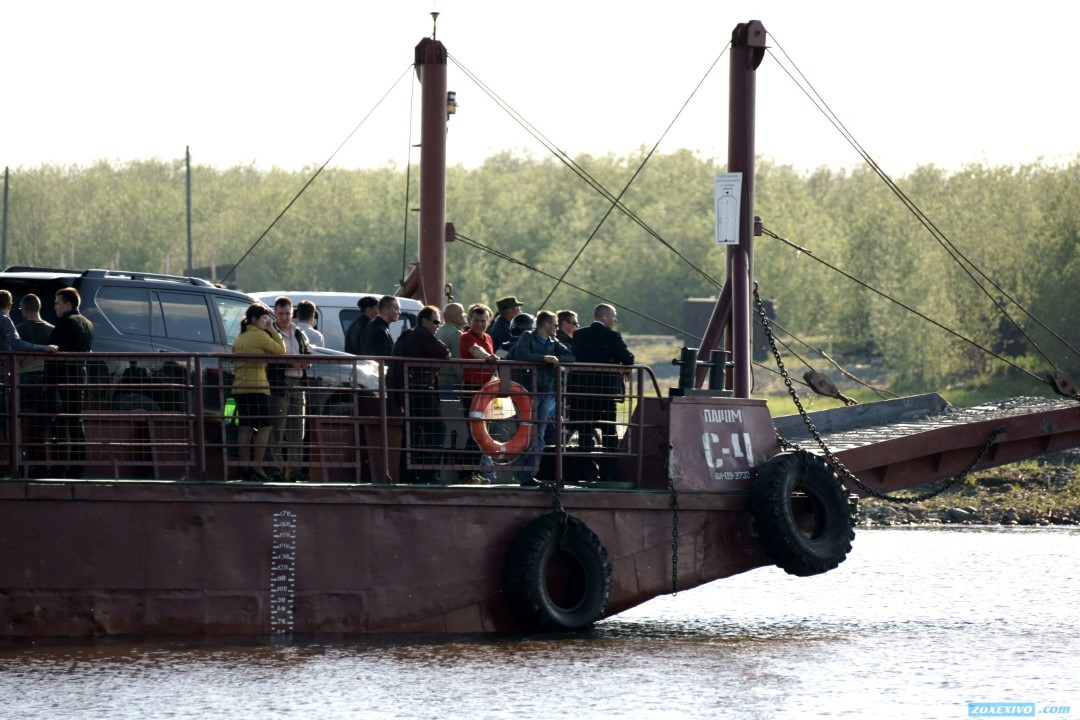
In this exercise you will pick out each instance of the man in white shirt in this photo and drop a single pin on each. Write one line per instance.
(287, 397)
(305, 319)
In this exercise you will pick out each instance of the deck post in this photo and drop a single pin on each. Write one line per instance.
(431, 71)
(747, 51)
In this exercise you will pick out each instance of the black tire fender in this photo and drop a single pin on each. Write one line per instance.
(814, 547)
(557, 576)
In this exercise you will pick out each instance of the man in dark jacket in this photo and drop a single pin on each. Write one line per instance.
(32, 391)
(540, 346)
(377, 340)
(426, 427)
(369, 309)
(598, 343)
(508, 308)
(568, 325)
(73, 334)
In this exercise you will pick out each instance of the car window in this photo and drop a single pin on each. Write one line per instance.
(232, 312)
(127, 309)
(348, 316)
(186, 317)
(406, 321)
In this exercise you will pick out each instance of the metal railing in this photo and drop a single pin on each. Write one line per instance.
(173, 417)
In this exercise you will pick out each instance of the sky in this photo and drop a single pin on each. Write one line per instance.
(275, 84)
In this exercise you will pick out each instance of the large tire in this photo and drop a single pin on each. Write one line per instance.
(807, 548)
(557, 578)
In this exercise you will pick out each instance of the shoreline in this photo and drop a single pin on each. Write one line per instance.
(1035, 493)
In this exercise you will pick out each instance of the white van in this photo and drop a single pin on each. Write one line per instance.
(336, 311)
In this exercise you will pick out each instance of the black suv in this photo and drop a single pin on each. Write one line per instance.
(151, 313)
(138, 312)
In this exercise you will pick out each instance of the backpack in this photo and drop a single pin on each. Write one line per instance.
(275, 371)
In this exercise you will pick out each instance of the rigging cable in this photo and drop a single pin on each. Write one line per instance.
(843, 371)
(584, 175)
(950, 248)
(499, 254)
(315, 175)
(469, 242)
(770, 233)
(616, 202)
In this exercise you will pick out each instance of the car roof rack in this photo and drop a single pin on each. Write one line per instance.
(37, 268)
(100, 274)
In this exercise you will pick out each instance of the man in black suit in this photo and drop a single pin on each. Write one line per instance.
(598, 343)
(73, 334)
(354, 336)
(377, 339)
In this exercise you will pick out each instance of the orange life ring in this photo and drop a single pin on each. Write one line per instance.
(478, 413)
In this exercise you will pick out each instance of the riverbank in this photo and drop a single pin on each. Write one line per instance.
(1035, 492)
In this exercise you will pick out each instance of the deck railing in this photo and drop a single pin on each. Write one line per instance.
(170, 416)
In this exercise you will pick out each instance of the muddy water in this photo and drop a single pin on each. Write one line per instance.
(918, 623)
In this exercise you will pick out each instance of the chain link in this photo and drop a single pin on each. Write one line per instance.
(556, 503)
(835, 461)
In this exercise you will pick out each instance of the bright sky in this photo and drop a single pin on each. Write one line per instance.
(282, 84)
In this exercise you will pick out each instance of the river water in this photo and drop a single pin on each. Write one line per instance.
(917, 623)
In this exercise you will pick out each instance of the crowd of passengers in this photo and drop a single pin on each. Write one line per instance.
(52, 387)
(547, 340)
(270, 397)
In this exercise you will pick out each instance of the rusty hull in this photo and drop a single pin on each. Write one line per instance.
(92, 558)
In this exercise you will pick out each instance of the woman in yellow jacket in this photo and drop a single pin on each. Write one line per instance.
(252, 389)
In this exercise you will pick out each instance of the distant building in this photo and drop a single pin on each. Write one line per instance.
(696, 314)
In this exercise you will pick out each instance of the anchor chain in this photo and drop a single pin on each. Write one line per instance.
(674, 530)
(835, 461)
(556, 502)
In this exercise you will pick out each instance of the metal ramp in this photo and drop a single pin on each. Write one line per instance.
(900, 443)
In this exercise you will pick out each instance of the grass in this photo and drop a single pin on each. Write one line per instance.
(1034, 492)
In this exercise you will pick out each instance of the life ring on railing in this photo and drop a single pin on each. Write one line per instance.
(557, 575)
(478, 412)
(819, 537)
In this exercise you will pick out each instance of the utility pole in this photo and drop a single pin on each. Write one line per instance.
(3, 224)
(187, 177)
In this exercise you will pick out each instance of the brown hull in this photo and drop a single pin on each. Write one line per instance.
(135, 558)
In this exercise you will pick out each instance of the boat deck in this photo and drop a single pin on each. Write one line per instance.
(168, 417)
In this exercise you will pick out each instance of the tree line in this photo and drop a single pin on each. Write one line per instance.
(1014, 230)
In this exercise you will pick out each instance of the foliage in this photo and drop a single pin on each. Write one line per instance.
(354, 230)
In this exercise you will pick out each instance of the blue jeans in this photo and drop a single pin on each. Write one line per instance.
(528, 464)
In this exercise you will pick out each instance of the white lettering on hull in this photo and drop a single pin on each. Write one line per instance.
(721, 415)
(736, 446)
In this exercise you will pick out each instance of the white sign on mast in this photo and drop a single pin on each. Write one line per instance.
(727, 195)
